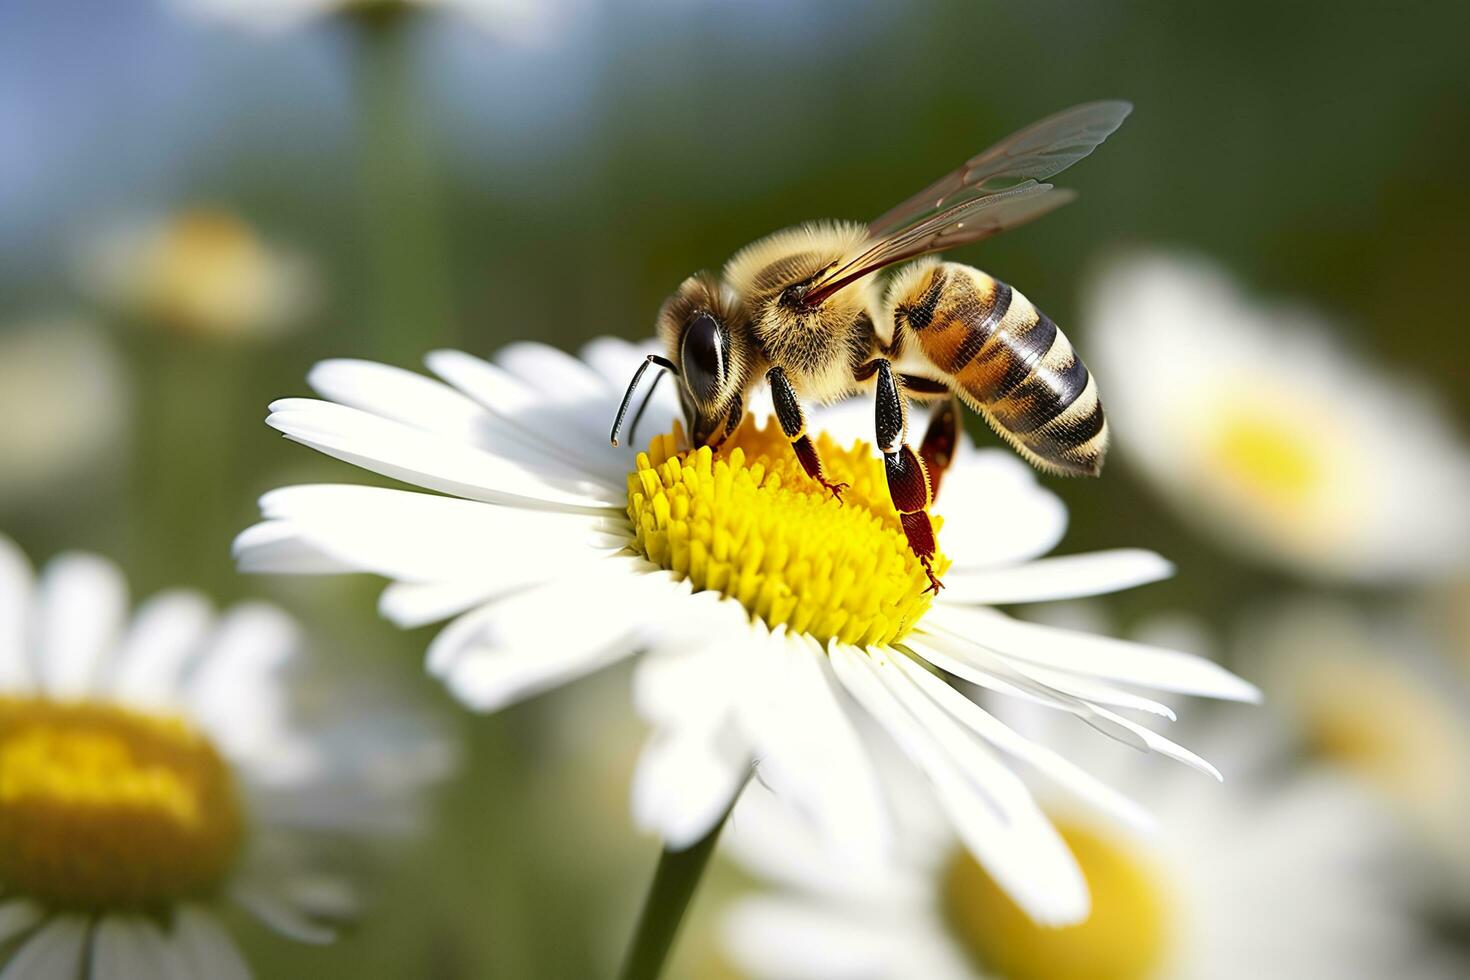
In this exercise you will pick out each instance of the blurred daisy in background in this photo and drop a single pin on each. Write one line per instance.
(154, 769)
(522, 20)
(65, 394)
(1261, 430)
(1376, 697)
(201, 272)
(1271, 876)
(764, 608)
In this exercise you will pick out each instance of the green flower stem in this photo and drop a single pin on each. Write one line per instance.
(407, 279)
(675, 881)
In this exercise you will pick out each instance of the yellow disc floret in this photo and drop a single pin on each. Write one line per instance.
(748, 522)
(102, 807)
(1125, 937)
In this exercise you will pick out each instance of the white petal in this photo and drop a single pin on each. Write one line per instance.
(278, 548)
(129, 947)
(1051, 764)
(431, 461)
(528, 642)
(1094, 691)
(278, 914)
(802, 940)
(205, 949)
(692, 672)
(83, 604)
(583, 401)
(1155, 742)
(987, 804)
(17, 916)
(423, 537)
(54, 952)
(403, 396)
(393, 393)
(235, 691)
(1066, 577)
(986, 483)
(488, 384)
(807, 749)
(16, 596)
(993, 672)
(555, 422)
(772, 841)
(980, 666)
(409, 605)
(696, 688)
(615, 360)
(545, 368)
(685, 782)
(1097, 656)
(166, 632)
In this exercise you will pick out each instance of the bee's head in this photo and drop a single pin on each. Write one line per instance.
(703, 328)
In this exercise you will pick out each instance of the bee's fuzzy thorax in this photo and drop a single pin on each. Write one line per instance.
(792, 254)
(817, 346)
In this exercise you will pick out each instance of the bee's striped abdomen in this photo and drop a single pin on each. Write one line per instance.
(1009, 361)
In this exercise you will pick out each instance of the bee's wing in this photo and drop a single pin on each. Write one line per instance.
(1037, 152)
(993, 192)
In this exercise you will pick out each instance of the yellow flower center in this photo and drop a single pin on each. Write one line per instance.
(1123, 939)
(1278, 465)
(102, 807)
(749, 523)
(207, 272)
(1410, 745)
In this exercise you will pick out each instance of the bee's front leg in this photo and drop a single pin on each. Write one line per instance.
(908, 479)
(793, 423)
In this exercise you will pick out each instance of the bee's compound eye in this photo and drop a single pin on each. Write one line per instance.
(702, 354)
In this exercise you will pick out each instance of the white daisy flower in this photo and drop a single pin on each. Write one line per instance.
(153, 768)
(1265, 878)
(522, 20)
(1375, 697)
(759, 603)
(1260, 429)
(66, 391)
(201, 271)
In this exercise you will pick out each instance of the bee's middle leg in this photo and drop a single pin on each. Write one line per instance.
(908, 479)
(793, 423)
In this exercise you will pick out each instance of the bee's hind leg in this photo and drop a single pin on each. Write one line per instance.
(793, 423)
(908, 478)
(940, 440)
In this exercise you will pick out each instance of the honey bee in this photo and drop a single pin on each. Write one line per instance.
(802, 309)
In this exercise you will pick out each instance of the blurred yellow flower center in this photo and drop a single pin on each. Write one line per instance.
(1410, 744)
(1279, 465)
(749, 523)
(102, 807)
(207, 272)
(1125, 938)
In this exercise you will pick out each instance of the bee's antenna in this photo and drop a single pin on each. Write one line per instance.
(643, 406)
(662, 362)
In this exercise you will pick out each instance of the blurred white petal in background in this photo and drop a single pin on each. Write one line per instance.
(1261, 877)
(66, 400)
(1375, 696)
(1261, 430)
(517, 20)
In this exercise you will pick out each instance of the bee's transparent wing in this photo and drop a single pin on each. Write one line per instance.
(993, 192)
(1037, 152)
